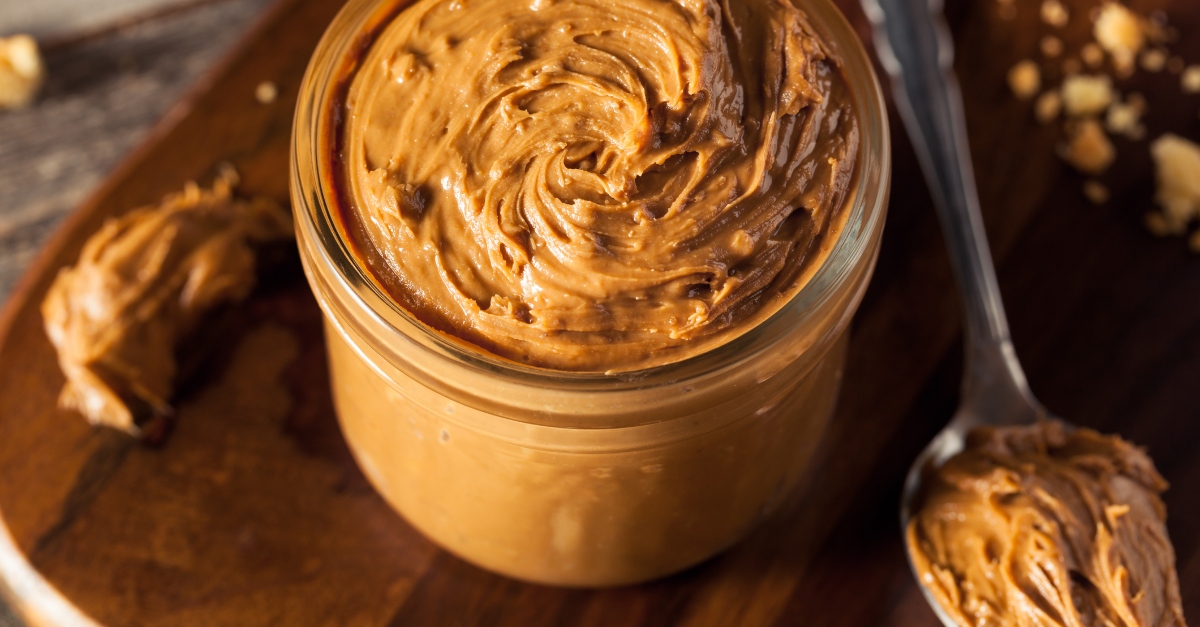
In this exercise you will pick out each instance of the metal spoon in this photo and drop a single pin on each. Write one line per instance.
(915, 48)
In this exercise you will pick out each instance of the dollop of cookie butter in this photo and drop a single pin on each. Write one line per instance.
(1047, 526)
(596, 185)
(143, 284)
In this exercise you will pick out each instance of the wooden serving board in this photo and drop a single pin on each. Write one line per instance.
(253, 512)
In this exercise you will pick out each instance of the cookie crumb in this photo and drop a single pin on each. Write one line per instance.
(1051, 46)
(1154, 60)
(21, 71)
(1125, 118)
(1088, 149)
(1157, 225)
(1190, 80)
(1085, 95)
(1177, 170)
(1025, 79)
(266, 92)
(1092, 55)
(1047, 107)
(1071, 67)
(1095, 191)
(1120, 32)
(1055, 13)
(1175, 65)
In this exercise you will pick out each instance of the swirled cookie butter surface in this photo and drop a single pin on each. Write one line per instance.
(596, 185)
(1045, 526)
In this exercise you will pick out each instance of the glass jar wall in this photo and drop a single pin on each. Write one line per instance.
(573, 478)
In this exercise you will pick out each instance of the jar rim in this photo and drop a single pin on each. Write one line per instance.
(350, 32)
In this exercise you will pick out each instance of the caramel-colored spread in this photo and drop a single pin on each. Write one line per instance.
(596, 185)
(143, 282)
(1045, 526)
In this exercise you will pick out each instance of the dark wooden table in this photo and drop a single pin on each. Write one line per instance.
(1105, 317)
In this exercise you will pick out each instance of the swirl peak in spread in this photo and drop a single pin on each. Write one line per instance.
(596, 185)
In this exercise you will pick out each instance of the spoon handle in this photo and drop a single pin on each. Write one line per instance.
(916, 50)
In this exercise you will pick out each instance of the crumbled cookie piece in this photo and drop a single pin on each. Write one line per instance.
(1055, 13)
(1157, 225)
(143, 283)
(1088, 148)
(1125, 118)
(1095, 191)
(1051, 46)
(1025, 79)
(1121, 33)
(1085, 95)
(1094, 111)
(266, 92)
(1194, 241)
(1177, 169)
(1048, 106)
(1092, 55)
(1154, 60)
(1190, 79)
(21, 71)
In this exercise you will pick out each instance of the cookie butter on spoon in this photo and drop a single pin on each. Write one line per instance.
(1012, 518)
(593, 185)
(1047, 525)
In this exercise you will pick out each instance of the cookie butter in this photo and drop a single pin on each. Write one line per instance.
(143, 282)
(596, 185)
(1045, 526)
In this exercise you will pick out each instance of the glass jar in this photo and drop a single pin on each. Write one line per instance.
(579, 479)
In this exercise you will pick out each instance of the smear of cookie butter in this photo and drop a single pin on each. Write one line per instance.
(1043, 526)
(596, 184)
(142, 284)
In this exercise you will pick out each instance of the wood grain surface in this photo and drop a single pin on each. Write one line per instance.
(56, 21)
(254, 514)
(103, 93)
